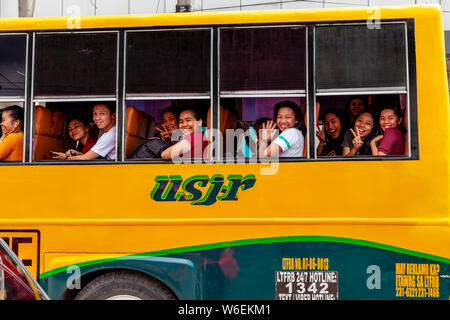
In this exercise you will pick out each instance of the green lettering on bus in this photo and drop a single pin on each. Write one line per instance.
(174, 188)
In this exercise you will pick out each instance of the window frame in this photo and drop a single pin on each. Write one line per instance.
(23, 99)
(413, 152)
(76, 97)
(171, 96)
(264, 93)
(71, 98)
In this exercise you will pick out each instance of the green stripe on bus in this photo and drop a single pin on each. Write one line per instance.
(253, 242)
(285, 140)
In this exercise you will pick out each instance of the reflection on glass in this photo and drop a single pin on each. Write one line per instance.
(263, 59)
(357, 57)
(168, 62)
(81, 64)
(12, 65)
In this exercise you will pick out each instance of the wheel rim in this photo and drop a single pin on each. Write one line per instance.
(123, 297)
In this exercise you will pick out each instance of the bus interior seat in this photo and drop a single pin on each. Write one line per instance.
(139, 126)
(58, 129)
(49, 133)
(317, 112)
(227, 121)
(58, 123)
(151, 127)
(143, 125)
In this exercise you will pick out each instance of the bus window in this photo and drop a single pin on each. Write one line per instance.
(259, 68)
(154, 125)
(164, 69)
(361, 70)
(12, 95)
(337, 115)
(12, 65)
(82, 64)
(263, 59)
(70, 130)
(168, 62)
(354, 56)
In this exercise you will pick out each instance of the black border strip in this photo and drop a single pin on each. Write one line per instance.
(311, 91)
(120, 102)
(215, 91)
(414, 131)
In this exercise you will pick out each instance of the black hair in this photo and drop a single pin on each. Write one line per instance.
(363, 99)
(347, 123)
(260, 121)
(194, 111)
(398, 112)
(110, 105)
(171, 109)
(83, 120)
(365, 149)
(338, 113)
(15, 112)
(297, 112)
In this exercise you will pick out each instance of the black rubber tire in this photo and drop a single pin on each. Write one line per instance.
(125, 283)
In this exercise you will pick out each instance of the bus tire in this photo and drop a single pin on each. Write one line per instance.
(125, 285)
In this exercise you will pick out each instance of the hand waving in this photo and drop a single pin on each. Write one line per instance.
(268, 131)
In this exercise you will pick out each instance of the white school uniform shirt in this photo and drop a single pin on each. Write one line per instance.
(291, 142)
(106, 145)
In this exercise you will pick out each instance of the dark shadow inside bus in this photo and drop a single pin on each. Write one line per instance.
(337, 116)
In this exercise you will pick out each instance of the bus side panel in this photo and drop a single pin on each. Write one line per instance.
(287, 268)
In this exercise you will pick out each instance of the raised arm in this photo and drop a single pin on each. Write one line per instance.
(178, 149)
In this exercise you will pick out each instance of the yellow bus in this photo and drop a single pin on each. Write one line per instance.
(313, 226)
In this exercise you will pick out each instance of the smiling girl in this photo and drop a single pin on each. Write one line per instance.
(11, 141)
(193, 142)
(391, 142)
(78, 131)
(331, 135)
(357, 139)
(291, 141)
(169, 118)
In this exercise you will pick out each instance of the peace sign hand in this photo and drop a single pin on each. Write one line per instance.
(320, 133)
(357, 141)
(164, 133)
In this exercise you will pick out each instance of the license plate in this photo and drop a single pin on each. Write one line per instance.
(306, 285)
